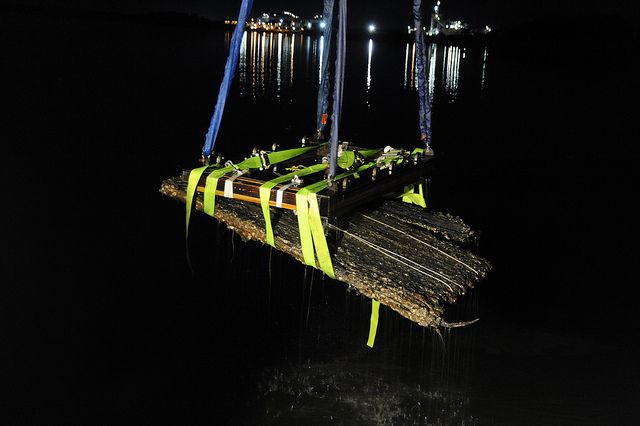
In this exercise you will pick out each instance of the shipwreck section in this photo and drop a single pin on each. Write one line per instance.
(408, 258)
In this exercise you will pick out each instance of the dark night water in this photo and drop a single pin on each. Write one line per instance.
(103, 321)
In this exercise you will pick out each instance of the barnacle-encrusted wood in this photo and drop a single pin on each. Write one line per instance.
(412, 260)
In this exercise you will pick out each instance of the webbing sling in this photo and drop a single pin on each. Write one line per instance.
(310, 223)
(217, 173)
(192, 184)
(248, 164)
(229, 71)
(265, 195)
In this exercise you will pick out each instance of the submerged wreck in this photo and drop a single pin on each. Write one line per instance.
(357, 214)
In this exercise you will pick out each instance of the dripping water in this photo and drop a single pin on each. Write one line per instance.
(233, 249)
(301, 320)
(309, 298)
(269, 280)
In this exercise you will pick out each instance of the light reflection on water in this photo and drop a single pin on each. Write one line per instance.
(320, 58)
(369, 72)
(268, 64)
(449, 61)
(485, 53)
(451, 71)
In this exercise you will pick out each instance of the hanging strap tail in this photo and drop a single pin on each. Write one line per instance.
(373, 326)
(265, 195)
(229, 71)
(192, 184)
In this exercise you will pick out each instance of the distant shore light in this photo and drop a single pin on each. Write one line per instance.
(322, 24)
(372, 28)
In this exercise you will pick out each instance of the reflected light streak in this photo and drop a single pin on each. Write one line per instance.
(321, 53)
(293, 48)
(307, 52)
(484, 67)
(406, 65)
(432, 70)
(263, 41)
(369, 65)
(243, 64)
(279, 65)
(254, 59)
(270, 58)
(413, 66)
(452, 72)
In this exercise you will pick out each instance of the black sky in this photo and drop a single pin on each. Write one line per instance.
(384, 13)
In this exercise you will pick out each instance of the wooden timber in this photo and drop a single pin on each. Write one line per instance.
(410, 259)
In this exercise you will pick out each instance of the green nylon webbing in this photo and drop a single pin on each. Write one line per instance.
(373, 327)
(250, 163)
(312, 232)
(209, 198)
(319, 240)
(192, 184)
(310, 223)
(265, 195)
(212, 179)
(309, 220)
(306, 240)
(410, 196)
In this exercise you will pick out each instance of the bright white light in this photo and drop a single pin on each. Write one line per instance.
(372, 28)
(309, 25)
(322, 24)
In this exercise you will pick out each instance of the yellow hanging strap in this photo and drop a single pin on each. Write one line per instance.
(192, 184)
(312, 232)
(310, 223)
(373, 326)
(265, 195)
(306, 239)
(410, 195)
(209, 200)
(319, 240)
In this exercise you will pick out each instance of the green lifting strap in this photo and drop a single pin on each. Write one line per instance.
(373, 327)
(265, 195)
(192, 184)
(212, 179)
(209, 199)
(306, 240)
(310, 223)
(312, 232)
(410, 195)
